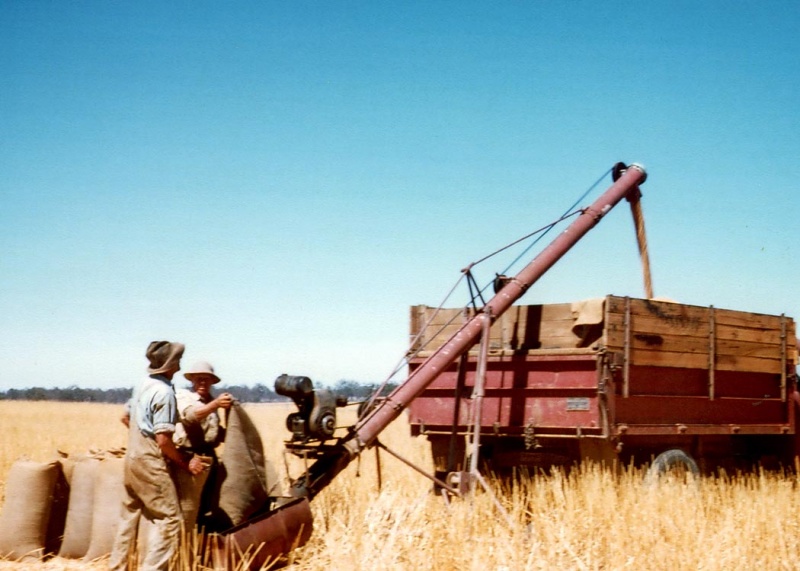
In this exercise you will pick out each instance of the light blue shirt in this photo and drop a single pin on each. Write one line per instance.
(155, 406)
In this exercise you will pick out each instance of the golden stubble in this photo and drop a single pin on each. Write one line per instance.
(590, 519)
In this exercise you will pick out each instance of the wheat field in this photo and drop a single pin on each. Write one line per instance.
(591, 519)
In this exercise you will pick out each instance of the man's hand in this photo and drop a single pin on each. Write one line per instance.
(196, 466)
(170, 451)
(225, 400)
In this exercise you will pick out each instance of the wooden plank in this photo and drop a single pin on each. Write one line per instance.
(784, 356)
(769, 336)
(418, 313)
(742, 339)
(626, 348)
(687, 315)
(559, 341)
(700, 361)
(522, 327)
(557, 312)
(699, 345)
(712, 349)
(649, 325)
(733, 318)
(676, 335)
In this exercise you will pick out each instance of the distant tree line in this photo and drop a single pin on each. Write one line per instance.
(353, 390)
(69, 394)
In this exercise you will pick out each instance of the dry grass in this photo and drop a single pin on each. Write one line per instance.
(590, 519)
(38, 430)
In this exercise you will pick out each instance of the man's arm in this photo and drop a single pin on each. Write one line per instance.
(170, 451)
(199, 412)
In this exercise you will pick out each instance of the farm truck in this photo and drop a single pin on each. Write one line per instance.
(610, 379)
(637, 381)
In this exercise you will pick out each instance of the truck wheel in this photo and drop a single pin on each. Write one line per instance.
(675, 462)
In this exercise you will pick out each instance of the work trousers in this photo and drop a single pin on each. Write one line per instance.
(150, 493)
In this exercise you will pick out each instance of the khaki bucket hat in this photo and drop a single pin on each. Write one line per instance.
(201, 368)
(164, 357)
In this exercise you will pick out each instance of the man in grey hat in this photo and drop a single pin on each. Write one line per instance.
(150, 489)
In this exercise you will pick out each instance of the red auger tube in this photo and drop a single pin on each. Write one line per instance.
(369, 428)
(363, 435)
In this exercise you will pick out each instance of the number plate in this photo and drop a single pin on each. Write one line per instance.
(577, 403)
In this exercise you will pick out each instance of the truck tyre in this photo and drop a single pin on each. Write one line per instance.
(671, 461)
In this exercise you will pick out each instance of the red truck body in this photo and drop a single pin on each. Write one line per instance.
(614, 378)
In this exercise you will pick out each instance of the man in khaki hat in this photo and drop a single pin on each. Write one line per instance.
(198, 433)
(150, 490)
(199, 429)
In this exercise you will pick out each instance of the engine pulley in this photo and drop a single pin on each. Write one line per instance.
(315, 418)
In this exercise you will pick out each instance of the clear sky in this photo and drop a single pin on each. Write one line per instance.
(275, 183)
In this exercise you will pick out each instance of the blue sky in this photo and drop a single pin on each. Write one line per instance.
(275, 183)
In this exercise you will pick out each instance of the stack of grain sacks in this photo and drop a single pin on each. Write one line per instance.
(69, 506)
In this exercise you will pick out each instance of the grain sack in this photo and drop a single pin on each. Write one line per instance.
(109, 491)
(241, 475)
(25, 515)
(78, 528)
(275, 486)
(69, 461)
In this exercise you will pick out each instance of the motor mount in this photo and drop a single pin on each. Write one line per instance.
(315, 418)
